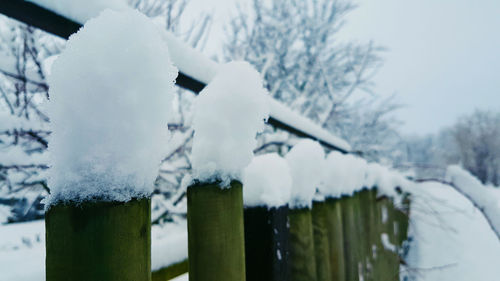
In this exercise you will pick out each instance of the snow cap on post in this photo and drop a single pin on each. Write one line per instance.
(306, 160)
(385, 180)
(267, 181)
(344, 174)
(110, 95)
(228, 114)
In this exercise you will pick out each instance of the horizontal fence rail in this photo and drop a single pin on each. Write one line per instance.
(59, 25)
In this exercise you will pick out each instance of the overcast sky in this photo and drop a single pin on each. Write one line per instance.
(443, 57)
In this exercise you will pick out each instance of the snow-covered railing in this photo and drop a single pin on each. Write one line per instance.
(195, 70)
(350, 187)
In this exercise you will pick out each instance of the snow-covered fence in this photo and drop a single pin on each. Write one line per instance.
(356, 236)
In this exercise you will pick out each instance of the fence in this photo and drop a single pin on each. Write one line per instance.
(358, 237)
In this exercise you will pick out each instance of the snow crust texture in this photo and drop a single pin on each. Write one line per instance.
(110, 95)
(306, 160)
(80, 10)
(267, 181)
(228, 114)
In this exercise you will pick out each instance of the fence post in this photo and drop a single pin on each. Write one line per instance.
(321, 240)
(352, 237)
(387, 259)
(370, 232)
(302, 256)
(335, 239)
(402, 218)
(267, 243)
(215, 232)
(99, 241)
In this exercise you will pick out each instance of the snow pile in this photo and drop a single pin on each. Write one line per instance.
(110, 91)
(386, 180)
(486, 197)
(344, 174)
(22, 251)
(267, 181)
(306, 160)
(169, 245)
(78, 10)
(451, 240)
(228, 114)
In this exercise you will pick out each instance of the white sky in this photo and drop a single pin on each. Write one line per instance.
(443, 57)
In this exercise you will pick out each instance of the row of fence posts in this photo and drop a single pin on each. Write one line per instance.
(359, 237)
(338, 239)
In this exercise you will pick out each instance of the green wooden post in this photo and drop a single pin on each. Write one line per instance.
(336, 239)
(352, 231)
(370, 231)
(321, 243)
(387, 260)
(402, 217)
(215, 232)
(99, 241)
(267, 243)
(302, 257)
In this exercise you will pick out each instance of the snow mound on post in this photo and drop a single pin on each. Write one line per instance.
(386, 181)
(110, 94)
(306, 161)
(344, 174)
(228, 113)
(79, 10)
(267, 181)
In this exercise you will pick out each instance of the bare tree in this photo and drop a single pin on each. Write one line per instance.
(295, 47)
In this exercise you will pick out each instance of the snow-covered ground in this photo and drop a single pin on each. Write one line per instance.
(451, 238)
(22, 249)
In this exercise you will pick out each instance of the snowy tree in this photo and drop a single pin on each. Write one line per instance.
(295, 47)
(25, 56)
(478, 138)
(471, 142)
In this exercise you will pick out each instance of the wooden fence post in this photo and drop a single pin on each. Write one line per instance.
(335, 239)
(267, 243)
(99, 241)
(370, 232)
(353, 251)
(215, 232)
(302, 257)
(388, 259)
(321, 240)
